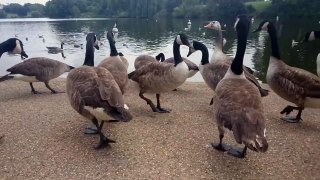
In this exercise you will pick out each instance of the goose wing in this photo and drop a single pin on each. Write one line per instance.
(299, 81)
(153, 69)
(34, 66)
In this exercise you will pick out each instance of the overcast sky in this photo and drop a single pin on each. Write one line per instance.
(23, 1)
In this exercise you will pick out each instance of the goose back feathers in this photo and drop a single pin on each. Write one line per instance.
(145, 59)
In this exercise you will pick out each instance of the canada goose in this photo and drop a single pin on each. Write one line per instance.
(214, 71)
(145, 59)
(115, 29)
(312, 35)
(238, 103)
(40, 36)
(158, 77)
(292, 84)
(115, 66)
(123, 59)
(13, 46)
(27, 39)
(93, 93)
(39, 69)
(56, 49)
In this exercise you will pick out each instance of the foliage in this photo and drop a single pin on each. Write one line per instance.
(35, 10)
(293, 9)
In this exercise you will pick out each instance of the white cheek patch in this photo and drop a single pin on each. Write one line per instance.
(265, 26)
(312, 36)
(17, 49)
(236, 23)
(178, 40)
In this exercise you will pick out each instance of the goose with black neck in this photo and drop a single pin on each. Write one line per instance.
(238, 103)
(293, 84)
(158, 77)
(13, 46)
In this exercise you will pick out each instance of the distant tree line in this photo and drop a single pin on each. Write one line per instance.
(155, 8)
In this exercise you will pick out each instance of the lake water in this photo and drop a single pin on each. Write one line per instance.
(152, 36)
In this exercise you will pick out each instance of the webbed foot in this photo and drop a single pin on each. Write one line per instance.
(163, 110)
(91, 131)
(220, 147)
(104, 142)
(239, 153)
(291, 119)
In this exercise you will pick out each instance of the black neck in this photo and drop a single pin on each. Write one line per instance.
(274, 41)
(113, 49)
(316, 34)
(237, 63)
(205, 52)
(89, 59)
(176, 53)
(2, 50)
(61, 46)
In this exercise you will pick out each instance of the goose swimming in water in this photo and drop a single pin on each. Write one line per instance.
(238, 103)
(56, 49)
(290, 83)
(13, 46)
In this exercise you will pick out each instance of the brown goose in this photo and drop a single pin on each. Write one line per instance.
(238, 103)
(39, 69)
(94, 93)
(292, 84)
(162, 77)
(145, 59)
(214, 71)
(114, 64)
(13, 46)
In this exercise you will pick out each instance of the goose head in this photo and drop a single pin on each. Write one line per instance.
(14, 46)
(160, 57)
(92, 38)
(182, 39)
(215, 25)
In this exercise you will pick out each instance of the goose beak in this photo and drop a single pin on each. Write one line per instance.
(96, 46)
(190, 52)
(24, 55)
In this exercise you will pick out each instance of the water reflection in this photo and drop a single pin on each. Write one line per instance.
(152, 36)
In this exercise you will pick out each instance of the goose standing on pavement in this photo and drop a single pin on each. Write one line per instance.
(94, 93)
(292, 84)
(238, 103)
(214, 71)
(115, 65)
(13, 46)
(39, 69)
(158, 77)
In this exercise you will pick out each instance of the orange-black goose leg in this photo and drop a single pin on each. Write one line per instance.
(161, 110)
(52, 90)
(220, 146)
(288, 110)
(33, 90)
(104, 141)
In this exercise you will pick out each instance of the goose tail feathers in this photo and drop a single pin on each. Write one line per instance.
(5, 77)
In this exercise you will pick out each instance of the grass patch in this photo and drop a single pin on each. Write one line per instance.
(259, 6)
